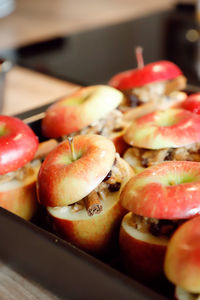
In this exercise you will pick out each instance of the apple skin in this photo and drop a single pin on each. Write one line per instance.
(164, 129)
(60, 176)
(79, 110)
(156, 71)
(192, 103)
(142, 254)
(182, 261)
(166, 191)
(117, 138)
(18, 144)
(21, 199)
(96, 234)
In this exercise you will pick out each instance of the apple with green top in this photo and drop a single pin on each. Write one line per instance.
(164, 129)
(81, 109)
(159, 199)
(79, 183)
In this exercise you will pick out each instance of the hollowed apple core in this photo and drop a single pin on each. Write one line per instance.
(167, 119)
(182, 178)
(67, 159)
(3, 130)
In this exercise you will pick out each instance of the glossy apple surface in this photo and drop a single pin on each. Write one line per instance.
(117, 138)
(142, 254)
(79, 110)
(166, 191)
(182, 262)
(156, 71)
(18, 144)
(62, 181)
(96, 234)
(164, 129)
(192, 103)
(19, 197)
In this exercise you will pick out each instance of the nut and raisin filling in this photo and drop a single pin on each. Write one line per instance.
(111, 184)
(29, 169)
(141, 95)
(144, 158)
(157, 227)
(20, 174)
(154, 91)
(106, 126)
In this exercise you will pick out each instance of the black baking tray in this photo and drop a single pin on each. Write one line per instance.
(35, 252)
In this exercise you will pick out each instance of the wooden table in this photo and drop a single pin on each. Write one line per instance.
(25, 89)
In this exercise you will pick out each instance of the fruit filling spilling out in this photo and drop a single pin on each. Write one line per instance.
(143, 158)
(110, 184)
(157, 227)
(106, 126)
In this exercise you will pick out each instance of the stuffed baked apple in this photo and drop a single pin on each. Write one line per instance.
(79, 183)
(173, 134)
(151, 87)
(182, 261)
(90, 110)
(159, 199)
(18, 170)
(152, 83)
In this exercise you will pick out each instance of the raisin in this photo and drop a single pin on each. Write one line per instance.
(118, 129)
(145, 162)
(169, 155)
(108, 176)
(164, 227)
(114, 187)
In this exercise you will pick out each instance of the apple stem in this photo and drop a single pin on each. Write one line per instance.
(139, 57)
(71, 144)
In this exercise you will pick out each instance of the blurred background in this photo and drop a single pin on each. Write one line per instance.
(38, 20)
(86, 42)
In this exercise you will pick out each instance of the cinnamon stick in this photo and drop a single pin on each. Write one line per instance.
(93, 204)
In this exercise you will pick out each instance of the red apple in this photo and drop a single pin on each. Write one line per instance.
(142, 253)
(96, 234)
(81, 109)
(117, 138)
(62, 182)
(60, 175)
(156, 71)
(166, 191)
(19, 196)
(18, 144)
(164, 129)
(182, 261)
(192, 103)
(169, 191)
